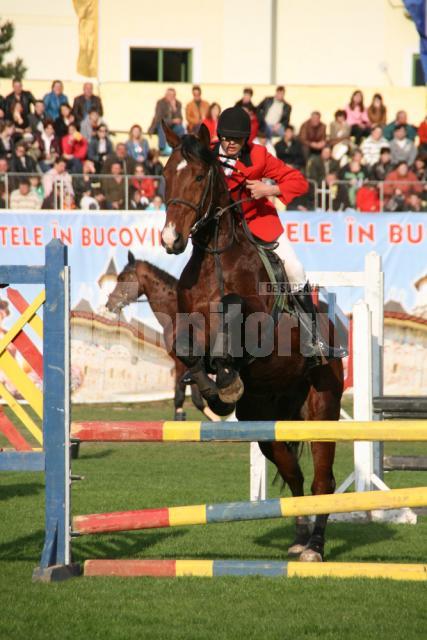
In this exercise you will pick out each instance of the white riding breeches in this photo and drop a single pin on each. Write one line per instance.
(293, 266)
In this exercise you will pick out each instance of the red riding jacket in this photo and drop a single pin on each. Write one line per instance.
(261, 215)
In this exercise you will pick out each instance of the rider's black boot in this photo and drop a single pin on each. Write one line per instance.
(313, 346)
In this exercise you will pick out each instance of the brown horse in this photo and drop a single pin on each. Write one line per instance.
(222, 280)
(139, 278)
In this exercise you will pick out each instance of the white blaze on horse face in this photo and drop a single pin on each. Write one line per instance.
(181, 165)
(169, 235)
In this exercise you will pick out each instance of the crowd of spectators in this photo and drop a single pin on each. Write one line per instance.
(68, 159)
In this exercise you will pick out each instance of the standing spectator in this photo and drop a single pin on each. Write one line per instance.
(65, 118)
(100, 147)
(23, 197)
(401, 120)
(37, 119)
(121, 156)
(168, 109)
(383, 166)
(357, 117)
(7, 134)
(320, 166)
(354, 175)
(153, 166)
(289, 149)
(211, 121)
(368, 198)
(74, 149)
(90, 124)
(422, 134)
(312, 135)
(25, 98)
(196, 110)
(246, 100)
(21, 162)
(402, 148)
(372, 145)
(263, 141)
(54, 99)
(114, 187)
(137, 147)
(398, 186)
(339, 135)
(19, 118)
(56, 181)
(87, 102)
(377, 111)
(274, 113)
(50, 147)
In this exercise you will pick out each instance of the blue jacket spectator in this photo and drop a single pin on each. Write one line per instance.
(137, 147)
(54, 99)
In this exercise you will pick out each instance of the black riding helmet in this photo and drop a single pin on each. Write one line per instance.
(234, 123)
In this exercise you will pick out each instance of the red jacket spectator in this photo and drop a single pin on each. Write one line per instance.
(368, 199)
(402, 180)
(148, 186)
(74, 144)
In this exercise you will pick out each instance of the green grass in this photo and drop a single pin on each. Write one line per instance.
(147, 475)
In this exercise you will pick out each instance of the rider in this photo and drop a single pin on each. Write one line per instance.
(245, 167)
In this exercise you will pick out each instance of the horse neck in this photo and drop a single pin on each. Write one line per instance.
(160, 294)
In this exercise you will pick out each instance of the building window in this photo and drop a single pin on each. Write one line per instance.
(417, 71)
(160, 65)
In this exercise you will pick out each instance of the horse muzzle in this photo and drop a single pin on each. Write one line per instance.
(173, 241)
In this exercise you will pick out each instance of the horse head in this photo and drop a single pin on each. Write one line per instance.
(191, 175)
(128, 289)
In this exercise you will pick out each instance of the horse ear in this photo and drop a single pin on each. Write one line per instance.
(131, 258)
(171, 137)
(204, 136)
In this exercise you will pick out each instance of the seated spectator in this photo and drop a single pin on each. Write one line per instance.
(274, 113)
(336, 194)
(339, 135)
(383, 166)
(54, 99)
(90, 124)
(156, 204)
(415, 204)
(37, 188)
(152, 165)
(23, 197)
(138, 200)
(100, 147)
(74, 149)
(372, 145)
(398, 186)
(377, 111)
(18, 117)
(85, 182)
(137, 147)
(141, 183)
(50, 147)
(2, 196)
(354, 175)
(402, 148)
(312, 135)
(254, 125)
(68, 202)
(368, 198)
(2, 108)
(168, 109)
(121, 156)
(87, 102)
(246, 99)
(37, 119)
(114, 186)
(419, 168)
(25, 98)
(289, 149)
(263, 141)
(7, 138)
(88, 202)
(21, 162)
(196, 110)
(211, 121)
(65, 118)
(357, 117)
(56, 182)
(401, 120)
(422, 134)
(318, 167)
(33, 146)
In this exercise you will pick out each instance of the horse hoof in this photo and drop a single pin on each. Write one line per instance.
(309, 555)
(296, 549)
(233, 392)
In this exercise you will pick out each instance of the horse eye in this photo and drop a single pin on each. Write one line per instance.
(199, 178)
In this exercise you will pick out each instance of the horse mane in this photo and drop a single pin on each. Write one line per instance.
(162, 275)
(192, 149)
